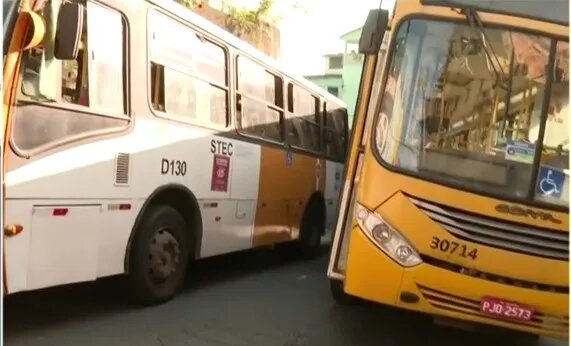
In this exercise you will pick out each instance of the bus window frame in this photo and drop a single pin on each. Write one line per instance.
(346, 132)
(320, 119)
(207, 37)
(239, 94)
(58, 105)
(528, 199)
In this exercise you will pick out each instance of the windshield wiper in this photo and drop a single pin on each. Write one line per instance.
(476, 24)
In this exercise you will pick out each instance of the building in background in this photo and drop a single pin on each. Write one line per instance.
(332, 79)
(342, 73)
(267, 41)
(352, 67)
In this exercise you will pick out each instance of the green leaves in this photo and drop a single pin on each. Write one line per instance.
(248, 22)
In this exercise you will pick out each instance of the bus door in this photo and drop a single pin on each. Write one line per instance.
(369, 91)
(305, 165)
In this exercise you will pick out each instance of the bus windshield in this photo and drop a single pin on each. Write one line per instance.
(556, 12)
(447, 115)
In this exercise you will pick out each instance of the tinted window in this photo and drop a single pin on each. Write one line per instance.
(259, 101)
(335, 131)
(303, 122)
(188, 82)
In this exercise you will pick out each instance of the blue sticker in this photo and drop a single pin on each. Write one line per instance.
(520, 151)
(550, 182)
(289, 158)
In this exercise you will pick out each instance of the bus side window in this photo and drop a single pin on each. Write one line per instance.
(188, 82)
(304, 129)
(261, 101)
(335, 133)
(293, 127)
(96, 78)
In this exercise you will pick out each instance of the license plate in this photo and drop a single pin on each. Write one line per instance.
(510, 310)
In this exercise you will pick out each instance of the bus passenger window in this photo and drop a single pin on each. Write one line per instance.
(334, 132)
(261, 101)
(303, 124)
(188, 82)
(95, 79)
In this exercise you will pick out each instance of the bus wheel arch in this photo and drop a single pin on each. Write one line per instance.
(312, 226)
(316, 204)
(185, 202)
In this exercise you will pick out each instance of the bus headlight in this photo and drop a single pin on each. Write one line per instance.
(391, 241)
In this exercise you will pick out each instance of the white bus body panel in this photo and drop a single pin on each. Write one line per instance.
(333, 176)
(94, 239)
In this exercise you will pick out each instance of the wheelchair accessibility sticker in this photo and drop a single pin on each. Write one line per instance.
(550, 182)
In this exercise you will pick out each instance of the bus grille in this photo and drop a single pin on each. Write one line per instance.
(499, 279)
(499, 234)
(452, 303)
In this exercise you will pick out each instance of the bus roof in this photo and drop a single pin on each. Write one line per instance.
(188, 15)
(553, 11)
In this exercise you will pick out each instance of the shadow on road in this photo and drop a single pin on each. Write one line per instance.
(250, 298)
(52, 307)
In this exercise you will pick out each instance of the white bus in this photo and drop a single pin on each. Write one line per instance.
(139, 136)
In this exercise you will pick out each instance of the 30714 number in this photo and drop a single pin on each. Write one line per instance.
(452, 247)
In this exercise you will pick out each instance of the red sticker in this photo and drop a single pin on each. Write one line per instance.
(220, 169)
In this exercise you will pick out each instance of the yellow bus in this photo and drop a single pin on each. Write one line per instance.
(138, 137)
(456, 187)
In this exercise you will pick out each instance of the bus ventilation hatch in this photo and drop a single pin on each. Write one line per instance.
(122, 165)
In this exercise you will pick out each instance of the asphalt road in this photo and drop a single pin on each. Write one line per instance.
(253, 298)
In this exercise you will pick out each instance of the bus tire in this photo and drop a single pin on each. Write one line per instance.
(311, 229)
(159, 255)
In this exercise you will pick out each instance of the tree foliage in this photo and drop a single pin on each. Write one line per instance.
(249, 22)
(192, 4)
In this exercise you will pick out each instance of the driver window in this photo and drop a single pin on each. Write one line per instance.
(95, 79)
(93, 83)
(553, 177)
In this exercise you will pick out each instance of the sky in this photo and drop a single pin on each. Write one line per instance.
(308, 34)
(311, 28)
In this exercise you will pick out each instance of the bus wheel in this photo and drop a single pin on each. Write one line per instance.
(159, 255)
(311, 230)
(336, 289)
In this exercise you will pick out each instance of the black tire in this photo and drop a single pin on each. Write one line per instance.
(311, 229)
(336, 289)
(159, 255)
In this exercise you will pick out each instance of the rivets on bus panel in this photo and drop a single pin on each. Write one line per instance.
(12, 230)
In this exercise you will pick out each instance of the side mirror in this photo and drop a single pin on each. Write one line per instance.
(68, 30)
(374, 31)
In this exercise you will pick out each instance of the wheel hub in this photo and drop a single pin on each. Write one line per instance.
(164, 255)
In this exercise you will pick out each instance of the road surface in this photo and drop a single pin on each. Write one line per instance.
(253, 298)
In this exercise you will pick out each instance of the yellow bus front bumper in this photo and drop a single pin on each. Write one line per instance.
(374, 276)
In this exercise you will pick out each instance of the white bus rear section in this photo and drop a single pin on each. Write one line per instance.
(78, 210)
